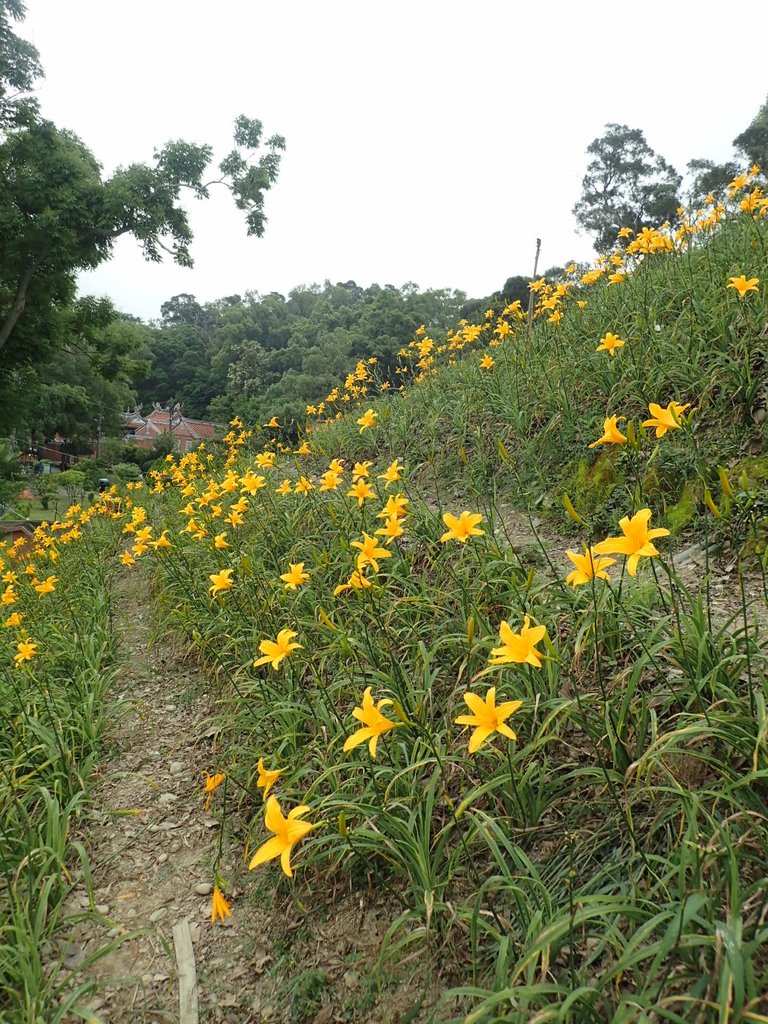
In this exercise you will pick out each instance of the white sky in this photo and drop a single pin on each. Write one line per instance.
(427, 140)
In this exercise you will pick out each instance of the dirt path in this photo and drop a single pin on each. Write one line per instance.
(152, 847)
(151, 843)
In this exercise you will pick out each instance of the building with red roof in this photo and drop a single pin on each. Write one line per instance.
(188, 433)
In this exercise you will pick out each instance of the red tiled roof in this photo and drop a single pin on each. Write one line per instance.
(158, 421)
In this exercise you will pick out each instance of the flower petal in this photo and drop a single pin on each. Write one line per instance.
(357, 738)
(271, 849)
(285, 861)
(478, 737)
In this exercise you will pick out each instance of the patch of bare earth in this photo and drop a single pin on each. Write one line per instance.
(152, 846)
(536, 542)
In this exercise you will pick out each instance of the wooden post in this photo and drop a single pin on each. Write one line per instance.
(530, 295)
(185, 968)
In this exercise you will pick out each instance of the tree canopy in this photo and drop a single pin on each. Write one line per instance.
(256, 353)
(19, 68)
(753, 141)
(58, 216)
(627, 184)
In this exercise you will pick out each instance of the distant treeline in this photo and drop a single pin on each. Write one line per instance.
(254, 355)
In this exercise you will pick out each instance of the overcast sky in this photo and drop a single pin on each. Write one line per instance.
(427, 140)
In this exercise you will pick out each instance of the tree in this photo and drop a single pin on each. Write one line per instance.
(19, 67)
(753, 141)
(57, 216)
(73, 482)
(627, 184)
(83, 391)
(708, 177)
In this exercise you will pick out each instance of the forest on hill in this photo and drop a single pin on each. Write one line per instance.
(253, 354)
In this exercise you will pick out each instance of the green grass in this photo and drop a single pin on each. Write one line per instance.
(50, 724)
(610, 863)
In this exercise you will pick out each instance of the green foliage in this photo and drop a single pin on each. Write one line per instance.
(19, 68)
(515, 289)
(126, 471)
(627, 184)
(10, 468)
(57, 216)
(114, 449)
(67, 364)
(50, 725)
(562, 869)
(73, 482)
(164, 444)
(253, 354)
(592, 484)
(753, 141)
(580, 869)
(680, 516)
(81, 391)
(46, 488)
(709, 178)
(91, 469)
(688, 337)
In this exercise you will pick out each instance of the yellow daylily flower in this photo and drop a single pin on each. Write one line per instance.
(610, 343)
(274, 651)
(370, 552)
(392, 528)
(47, 586)
(588, 567)
(287, 833)
(26, 650)
(463, 528)
(487, 717)
(375, 724)
(362, 491)
(665, 419)
(267, 778)
(367, 420)
(636, 542)
(295, 575)
(219, 905)
(211, 783)
(611, 432)
(220, 581)
(518, 648)
(393, 474)
(744, 285)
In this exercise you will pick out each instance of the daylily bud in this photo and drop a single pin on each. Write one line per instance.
(324, 619)
(711, 504)
(725, 483)
(400, 712)
(572, 511)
